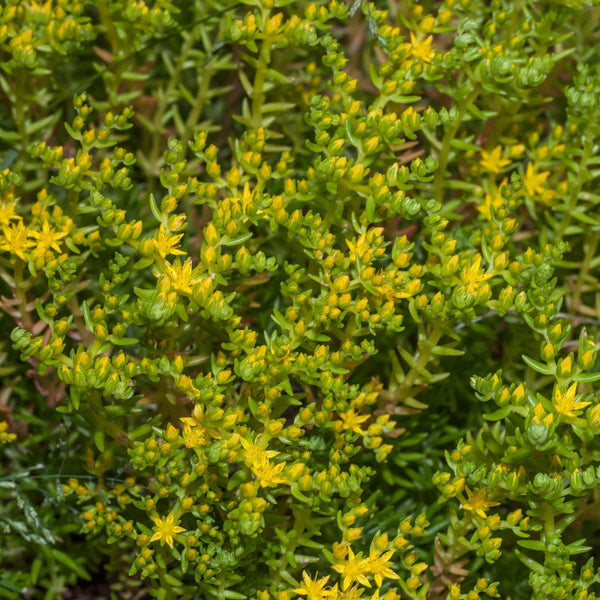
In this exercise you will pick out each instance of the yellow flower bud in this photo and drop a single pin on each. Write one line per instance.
(370, 146)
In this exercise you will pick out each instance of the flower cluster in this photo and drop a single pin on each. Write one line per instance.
(237, 259)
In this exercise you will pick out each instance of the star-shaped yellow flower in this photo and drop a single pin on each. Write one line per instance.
(492, 202)
(353, 570)
(421, 49)
(353, 421)
(268, 473)
(17, 239)
(255, 451)
(8, 212)
(48, 238)
(181, 276)
(478, 503)
(379, 565)
(565, 402)
(534, 182)
(165, 529)
(167, 243)
(473, 276)
(493, 161)
(313, 588)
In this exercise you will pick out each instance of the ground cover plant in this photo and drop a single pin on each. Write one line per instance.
(301, 299)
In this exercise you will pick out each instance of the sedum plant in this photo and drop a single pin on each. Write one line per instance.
(250, 262)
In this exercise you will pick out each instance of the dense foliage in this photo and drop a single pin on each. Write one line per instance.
(303, 299)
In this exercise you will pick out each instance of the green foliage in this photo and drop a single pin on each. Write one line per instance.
(251, 256)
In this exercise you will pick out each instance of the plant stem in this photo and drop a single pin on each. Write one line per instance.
(590, 253)
(576, 187)
(258, 93)
(444, 154)
(549, 533)
(21, 288)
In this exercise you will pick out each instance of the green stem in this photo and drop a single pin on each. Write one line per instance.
(444, 154)
(163, 103)
(21, 288)
(120, 58)
(425, 348)
(590, 253)
(576, 188)
(110, 31)
(200, 101)
(19, 107)
(221, 589)
(549, 533)
(258, 93)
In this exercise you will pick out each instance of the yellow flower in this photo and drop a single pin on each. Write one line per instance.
(181, 276)
(166, 243)
(387, 291)
(193, 436)
(353, 570)
(472, 276)
(5, 435)
(516, 150)
(165, 529)
(256, 451)
(565, 402)
(360, 248)
(48, 238)
(353, 593)
(492, 161)
(478, 503)
(16, 239)
(313, 588)
(8, 212)
(352, 421)
(494, 202)
(267, 473)
(534, 182)
(379, 565)
(421, 49)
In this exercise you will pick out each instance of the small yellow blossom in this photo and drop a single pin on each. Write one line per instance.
(314, 589)
(421, 49)
(534, 182)
(361, 248)
(48, 238)
(16, 239)
(181, 276)
(8, 212)
(352, 421)
(565, 403)
(491, 202)
(193, 436)
(5, 435)
(388, 292)
(267, 473)
(254, 452)
(165, 529)
(379, 565)
(353, 570)
(493, 161)
(477, 502)
(353, 593)
(516, 150)
(166, 243)
(473, 276)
